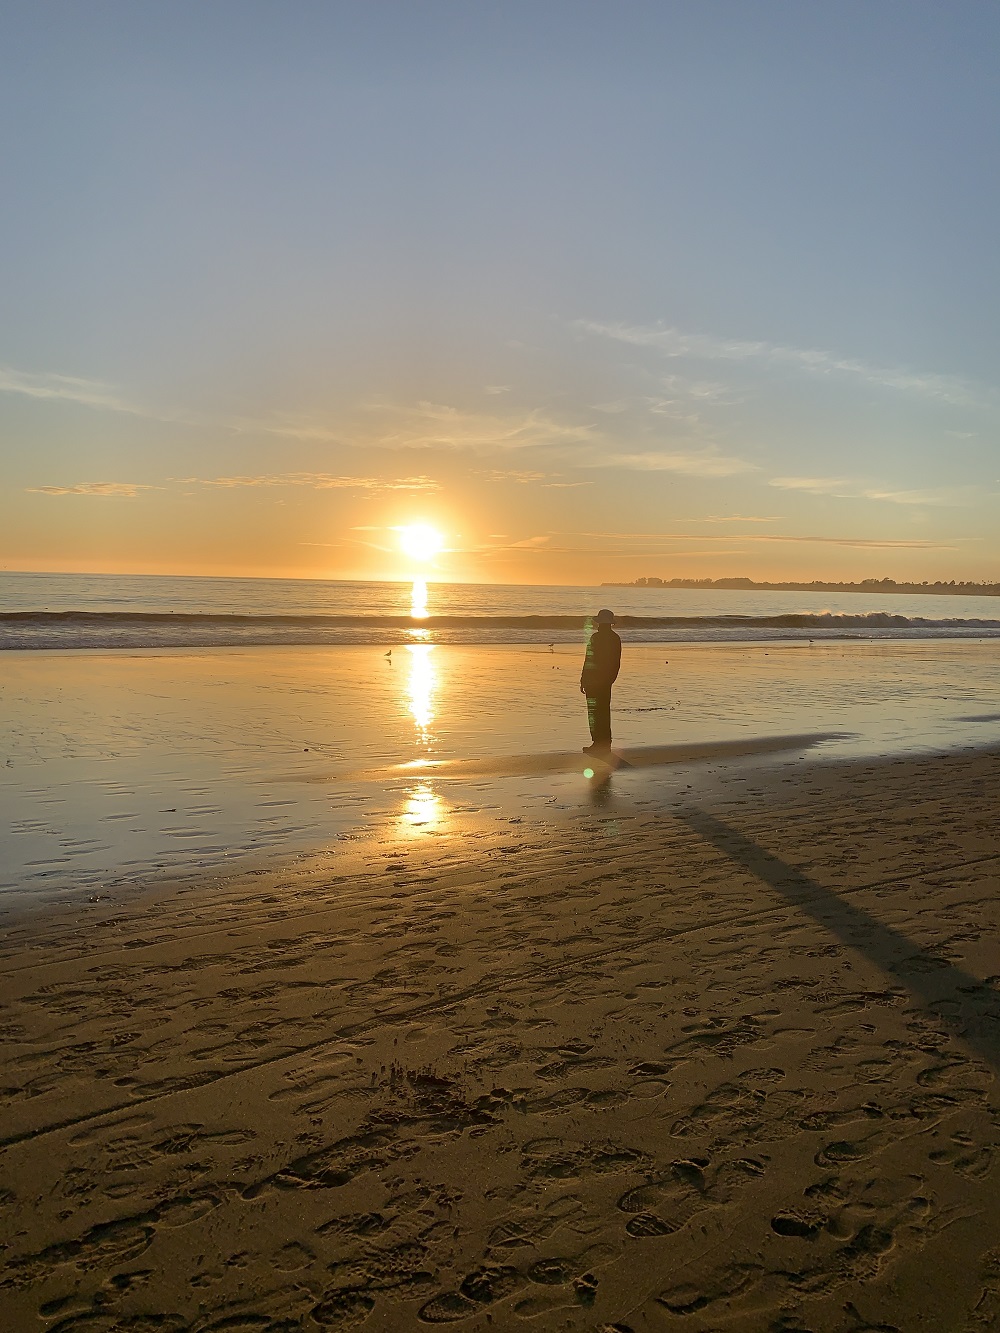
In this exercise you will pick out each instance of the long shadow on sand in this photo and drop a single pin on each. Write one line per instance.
(970, 1006)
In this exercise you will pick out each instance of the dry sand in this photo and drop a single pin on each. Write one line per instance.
(729, 1064)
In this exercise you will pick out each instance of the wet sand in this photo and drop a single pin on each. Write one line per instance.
(718, 1055)
(115, 766)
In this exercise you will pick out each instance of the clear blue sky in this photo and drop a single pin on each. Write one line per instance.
(598, 289)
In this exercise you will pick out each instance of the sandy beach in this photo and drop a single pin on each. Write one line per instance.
(499, 667)
(722, 1060)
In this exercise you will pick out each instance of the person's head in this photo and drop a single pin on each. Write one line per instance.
(604, 619)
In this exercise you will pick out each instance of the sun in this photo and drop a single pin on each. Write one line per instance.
(420, 541)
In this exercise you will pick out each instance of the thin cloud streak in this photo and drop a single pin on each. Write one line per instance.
(65, 388)
(321, 481)
(651, 551)
(100, 396)
(438, 426)
(672, 342)
(314, 480)
(122, 489)
(760, 537)
(696, 463)
(546, 480)
(843, 488)
(737, 518)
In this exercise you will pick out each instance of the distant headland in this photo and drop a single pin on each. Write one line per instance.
(866, 585)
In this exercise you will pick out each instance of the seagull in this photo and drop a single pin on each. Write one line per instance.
(388, 654)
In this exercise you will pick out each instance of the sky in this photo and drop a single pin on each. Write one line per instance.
(597, 290)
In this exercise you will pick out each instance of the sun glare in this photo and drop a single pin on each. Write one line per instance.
(420, 686)
(420, 541)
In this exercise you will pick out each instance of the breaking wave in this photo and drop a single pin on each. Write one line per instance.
(92, 629)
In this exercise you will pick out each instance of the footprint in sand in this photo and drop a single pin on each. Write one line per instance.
(966, 1157)
(116, 1242)
(531, 1228)
(724, 1284)
(555, 1159)
(842, 1152)
(663, 1206)
(562, 1282)
(480, 1288)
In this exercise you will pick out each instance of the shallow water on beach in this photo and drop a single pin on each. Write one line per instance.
(116, 765)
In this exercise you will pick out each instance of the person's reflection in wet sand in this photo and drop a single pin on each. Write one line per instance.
(600, 787)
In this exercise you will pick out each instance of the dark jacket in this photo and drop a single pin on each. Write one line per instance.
(603, 660)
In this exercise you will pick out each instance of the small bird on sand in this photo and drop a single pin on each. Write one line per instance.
(388, 654)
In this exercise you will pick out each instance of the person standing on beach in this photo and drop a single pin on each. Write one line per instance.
(600, 671)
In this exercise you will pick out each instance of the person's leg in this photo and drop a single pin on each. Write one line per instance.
(592, 717)
(600, 727)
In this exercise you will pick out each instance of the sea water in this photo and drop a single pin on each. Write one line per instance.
(71, 611)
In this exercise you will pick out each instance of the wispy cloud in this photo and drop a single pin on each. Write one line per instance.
(812, 485)
(123, 489)
(672, 342)
(438, 426)
(321, 481)
(689, 463)
(550, 480)
(68, 388)
(858, 543)
(682, 389)
(653, 540)
(522, 478)
(737, 518)
(105, 397)
(864, 543)
(306, 429)
(844, 488)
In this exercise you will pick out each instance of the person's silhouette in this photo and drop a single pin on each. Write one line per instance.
(600, 671)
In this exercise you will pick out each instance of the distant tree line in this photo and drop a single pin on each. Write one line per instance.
(866, 585)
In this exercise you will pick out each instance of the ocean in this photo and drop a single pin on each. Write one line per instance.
(74, 611)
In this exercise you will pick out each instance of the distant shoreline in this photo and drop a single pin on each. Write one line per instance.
(867, 585)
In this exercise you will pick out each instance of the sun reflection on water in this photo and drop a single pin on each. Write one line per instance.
(424, 811)
(418, 599)
(420, 687)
